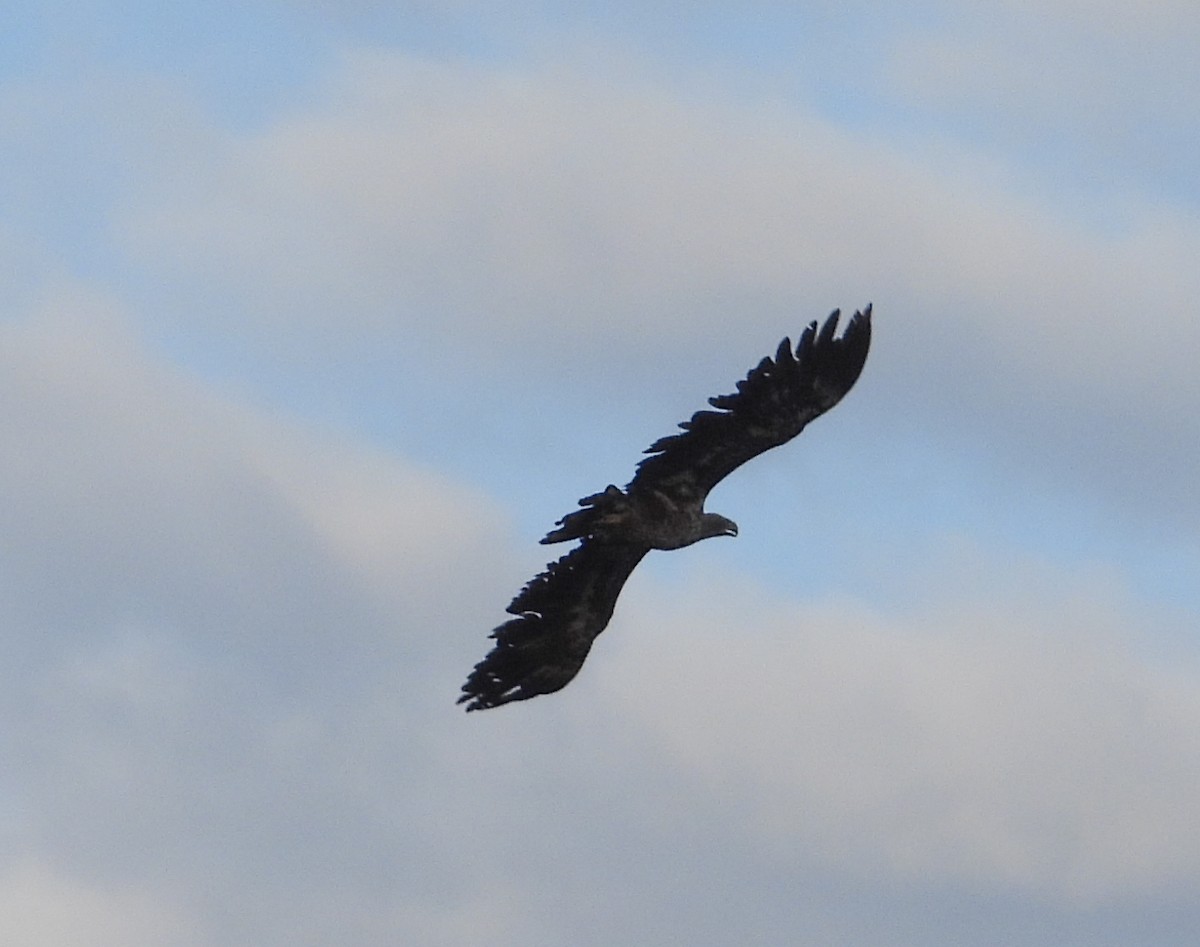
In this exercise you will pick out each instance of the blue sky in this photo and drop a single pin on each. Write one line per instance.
(318, 316)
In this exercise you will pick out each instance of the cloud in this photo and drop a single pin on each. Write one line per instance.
(1079, 89)
(511, 198)
(134, 461)
(38, 906)
(480, 215)
(236, 638)
(221, 624)
(230, 708)
(1159, 21)
(503, 202)
(1009, 734)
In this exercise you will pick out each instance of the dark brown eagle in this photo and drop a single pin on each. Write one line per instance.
(560, 612)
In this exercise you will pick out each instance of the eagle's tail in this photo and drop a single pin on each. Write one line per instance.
(598, 510)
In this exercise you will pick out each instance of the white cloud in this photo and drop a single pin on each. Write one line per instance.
(527, 206)
(1155, 21)
(40, 908)
(244, 717)
(1010, 734)
(1099, 93)
(236, 642)
(143, 467)
(533, 214)
(221, 627)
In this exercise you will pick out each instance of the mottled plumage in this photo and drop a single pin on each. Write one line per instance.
(560, 612)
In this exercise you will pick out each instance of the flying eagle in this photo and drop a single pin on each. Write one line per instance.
(560, 612)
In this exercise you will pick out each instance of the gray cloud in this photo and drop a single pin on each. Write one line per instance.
(218, 625)
(237, 727)
(236, 641)
(533, 214)
(50, 909)
(1095, 95)
(1008, 734)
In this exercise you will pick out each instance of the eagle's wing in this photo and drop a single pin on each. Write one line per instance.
(559, 614)
(774, 403)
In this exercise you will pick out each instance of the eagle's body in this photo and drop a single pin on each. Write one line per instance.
(560, 612)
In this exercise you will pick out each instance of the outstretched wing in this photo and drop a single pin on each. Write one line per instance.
(774, 403)
(559, 614)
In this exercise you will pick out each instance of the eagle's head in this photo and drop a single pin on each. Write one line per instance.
(714, 524)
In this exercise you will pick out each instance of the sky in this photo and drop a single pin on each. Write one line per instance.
(316, 316)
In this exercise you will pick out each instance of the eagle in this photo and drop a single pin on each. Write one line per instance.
(559, 613)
